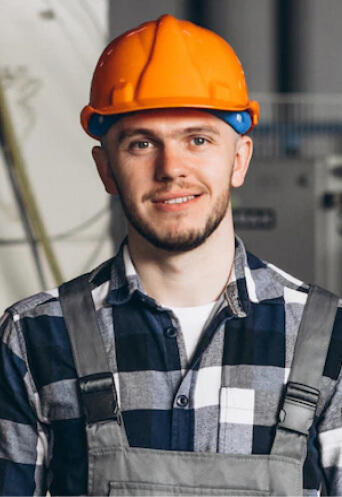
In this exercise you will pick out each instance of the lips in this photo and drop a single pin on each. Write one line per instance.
(175, 202)
(179, 200)
(174, 198)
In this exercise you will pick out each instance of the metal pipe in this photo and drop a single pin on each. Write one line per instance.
(17, 163)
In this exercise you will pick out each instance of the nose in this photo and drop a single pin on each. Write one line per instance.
(171, 163)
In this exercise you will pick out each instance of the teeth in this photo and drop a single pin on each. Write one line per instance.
(179, 200)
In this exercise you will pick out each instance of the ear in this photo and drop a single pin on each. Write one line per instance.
(104, 170)
(243, 155)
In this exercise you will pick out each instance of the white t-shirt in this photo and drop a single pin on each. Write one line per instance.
(192, 321)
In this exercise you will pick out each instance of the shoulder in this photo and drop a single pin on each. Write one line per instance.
(36, 346)
(269, 284)
(270, 280)
(295, 290)
(266, 282)
(40, 315)
(26, 312)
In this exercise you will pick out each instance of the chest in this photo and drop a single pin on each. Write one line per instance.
(225, 399)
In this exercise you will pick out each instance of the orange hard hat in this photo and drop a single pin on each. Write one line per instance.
(167, 63)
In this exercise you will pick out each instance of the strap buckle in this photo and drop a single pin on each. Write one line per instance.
(98, 397)
(298, 411)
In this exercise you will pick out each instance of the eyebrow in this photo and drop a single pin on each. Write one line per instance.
(131, 132)
(128, 133)
(200, 129)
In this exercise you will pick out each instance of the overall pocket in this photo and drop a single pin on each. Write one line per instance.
(138, 471)
(154, 489)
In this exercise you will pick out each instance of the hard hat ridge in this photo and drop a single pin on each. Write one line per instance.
(169, 67)
(167, 63)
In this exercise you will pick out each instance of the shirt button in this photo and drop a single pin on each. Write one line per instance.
(171, 332)
(182, 401)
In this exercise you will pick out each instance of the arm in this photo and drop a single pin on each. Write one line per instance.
(22, 436)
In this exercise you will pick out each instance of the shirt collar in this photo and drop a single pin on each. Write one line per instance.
(250, 281)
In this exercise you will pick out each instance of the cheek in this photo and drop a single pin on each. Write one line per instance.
(218, 175)
(138, 174)
(130, 183)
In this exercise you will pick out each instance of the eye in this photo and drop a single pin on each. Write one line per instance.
(199, 140)
(141, 145)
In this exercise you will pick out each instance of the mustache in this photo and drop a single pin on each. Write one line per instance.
(179, 186)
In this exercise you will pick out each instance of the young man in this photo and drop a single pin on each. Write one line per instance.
(199, 336)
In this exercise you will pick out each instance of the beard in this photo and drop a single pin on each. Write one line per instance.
(176, 240)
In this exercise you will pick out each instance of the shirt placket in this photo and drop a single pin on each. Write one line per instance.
(182, 415)
(181, 379)
(183, 425)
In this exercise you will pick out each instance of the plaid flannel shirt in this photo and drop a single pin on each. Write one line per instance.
(225, 400)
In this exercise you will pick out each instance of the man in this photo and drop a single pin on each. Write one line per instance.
(198, 335)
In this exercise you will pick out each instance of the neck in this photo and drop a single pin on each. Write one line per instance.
(186, 279)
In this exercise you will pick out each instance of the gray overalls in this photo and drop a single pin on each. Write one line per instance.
(115, 468)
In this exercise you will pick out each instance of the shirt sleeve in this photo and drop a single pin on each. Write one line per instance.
(330, 439)
(23, 438)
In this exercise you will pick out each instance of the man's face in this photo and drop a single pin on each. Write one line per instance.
(173, 170)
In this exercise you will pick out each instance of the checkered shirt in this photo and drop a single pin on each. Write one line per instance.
(225, 400)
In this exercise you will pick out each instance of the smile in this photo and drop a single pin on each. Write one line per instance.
(179, 200)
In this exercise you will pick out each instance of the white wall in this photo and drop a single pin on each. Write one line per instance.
(48, 53)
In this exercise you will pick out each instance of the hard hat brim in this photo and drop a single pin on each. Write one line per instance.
(96, 127)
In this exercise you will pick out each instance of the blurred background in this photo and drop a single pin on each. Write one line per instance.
(56, 220)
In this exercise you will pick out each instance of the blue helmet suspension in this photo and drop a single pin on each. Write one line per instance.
(240, 121)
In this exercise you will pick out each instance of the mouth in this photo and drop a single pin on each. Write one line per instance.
(179, 200)
(170, 203)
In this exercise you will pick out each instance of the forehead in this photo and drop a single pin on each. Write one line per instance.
(170, 120)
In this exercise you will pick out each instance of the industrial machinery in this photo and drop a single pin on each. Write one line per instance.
(289, 212)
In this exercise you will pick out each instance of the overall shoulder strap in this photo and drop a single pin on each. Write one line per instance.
(95, 379)
(299, 406)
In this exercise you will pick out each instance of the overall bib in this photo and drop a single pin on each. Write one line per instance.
(115, 468)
